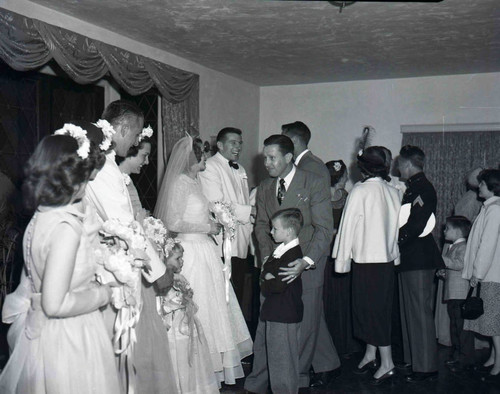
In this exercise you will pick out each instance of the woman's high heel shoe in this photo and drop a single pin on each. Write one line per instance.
(385, 377)
(370, 365)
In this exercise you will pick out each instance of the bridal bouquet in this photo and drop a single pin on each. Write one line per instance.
(224, 214)
(122, 256)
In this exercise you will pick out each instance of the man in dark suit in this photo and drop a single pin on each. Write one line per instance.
(304, 159)
(420, 257)
(290, 187)
(324, 355)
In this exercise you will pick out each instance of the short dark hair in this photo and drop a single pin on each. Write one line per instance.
(290, 218)
(461, 223)
(119, 110)
(491, 178)
(334, 174)
(297, 129)
(53, 172)
(372, 162)
(414, 155)
(221, 135)
(133, 151)
(285, 144)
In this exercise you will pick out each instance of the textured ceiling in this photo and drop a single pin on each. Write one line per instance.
(291, 42)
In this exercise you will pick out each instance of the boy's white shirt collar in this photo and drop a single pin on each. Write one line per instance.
(458, 241)
(283, 248)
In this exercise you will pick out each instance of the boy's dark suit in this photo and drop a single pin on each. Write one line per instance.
(420, 258)
(276, 346)
(283, 301)
(306, 192)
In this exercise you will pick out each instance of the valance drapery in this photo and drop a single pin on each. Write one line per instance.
(27, 44)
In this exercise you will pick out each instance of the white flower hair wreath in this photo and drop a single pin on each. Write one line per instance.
(147, 132)
(169, 245)
(108, 131)
(80, 135)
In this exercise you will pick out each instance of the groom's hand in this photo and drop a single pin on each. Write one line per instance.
(293, 271)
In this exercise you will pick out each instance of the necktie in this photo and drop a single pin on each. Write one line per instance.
(281, 191)
(233, 164)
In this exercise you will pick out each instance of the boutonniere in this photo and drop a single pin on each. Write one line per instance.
(301, 198)
(126, 179)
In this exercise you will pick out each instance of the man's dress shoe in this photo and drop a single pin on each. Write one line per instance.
(323, 379)
(422, 377)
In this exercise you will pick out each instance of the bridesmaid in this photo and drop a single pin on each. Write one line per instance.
(152, 358)
(62, 346)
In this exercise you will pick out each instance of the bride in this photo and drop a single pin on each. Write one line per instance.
(184, 209)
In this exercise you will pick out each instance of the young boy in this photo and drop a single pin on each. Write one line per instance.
(456, 231)
(281, 310)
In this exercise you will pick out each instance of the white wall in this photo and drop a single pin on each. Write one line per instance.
(337, 112)
(224, 100)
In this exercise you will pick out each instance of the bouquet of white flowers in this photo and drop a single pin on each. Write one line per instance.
(224, 214)
(122, 257)
(156, 231)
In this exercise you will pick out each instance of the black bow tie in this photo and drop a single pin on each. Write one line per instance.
(233, 164)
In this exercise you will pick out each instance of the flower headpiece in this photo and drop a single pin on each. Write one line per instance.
(108, 132)
(169, 245)
(80, 135)
(337, 166)
(146, 132)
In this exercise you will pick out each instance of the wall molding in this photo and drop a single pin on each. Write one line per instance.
(443, 128)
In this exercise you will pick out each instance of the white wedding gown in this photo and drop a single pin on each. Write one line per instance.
(224, 326)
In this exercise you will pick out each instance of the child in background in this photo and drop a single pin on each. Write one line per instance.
(188, 345)
(281, 311)
(456, 231)
(63, 345)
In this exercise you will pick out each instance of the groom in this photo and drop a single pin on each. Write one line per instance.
(224, 179)
(290, 187)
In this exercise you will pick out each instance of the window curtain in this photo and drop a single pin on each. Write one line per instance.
(449, 157)
(27, 44)
(178, 119)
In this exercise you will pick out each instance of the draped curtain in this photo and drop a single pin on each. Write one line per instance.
(449, 157)
(27, 44)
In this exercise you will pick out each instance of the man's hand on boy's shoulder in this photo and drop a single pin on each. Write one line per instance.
(294, 270)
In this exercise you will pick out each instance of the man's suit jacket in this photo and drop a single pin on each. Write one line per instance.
(314, 164)
(220, 182)
(306, 192)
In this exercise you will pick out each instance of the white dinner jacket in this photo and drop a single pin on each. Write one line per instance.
(109, 195)
(220, 182)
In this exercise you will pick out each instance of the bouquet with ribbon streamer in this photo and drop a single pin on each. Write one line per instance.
(224, 214)
(122, 257)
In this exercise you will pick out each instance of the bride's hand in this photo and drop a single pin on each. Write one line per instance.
(215, 228)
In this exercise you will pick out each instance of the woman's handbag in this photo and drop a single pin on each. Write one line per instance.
(472, 307)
